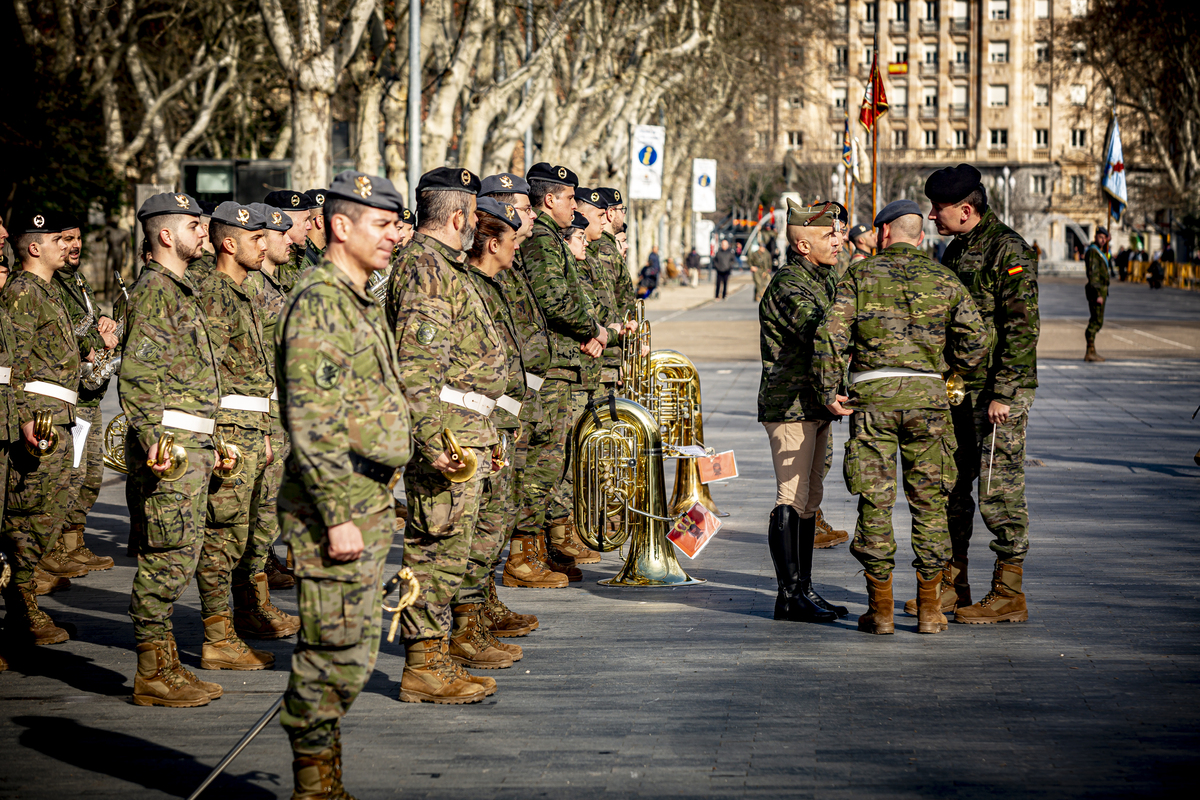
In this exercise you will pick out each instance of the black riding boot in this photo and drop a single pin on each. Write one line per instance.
(782, 536)
(806, 532)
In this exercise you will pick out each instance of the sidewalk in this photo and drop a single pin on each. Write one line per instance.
(681, 298)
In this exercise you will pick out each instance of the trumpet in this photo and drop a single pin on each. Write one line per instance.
(46, 434)
(227, 452)
(956, 389)
(173, 456)
(466, 457)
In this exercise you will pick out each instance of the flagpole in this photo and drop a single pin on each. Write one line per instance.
(875, 81)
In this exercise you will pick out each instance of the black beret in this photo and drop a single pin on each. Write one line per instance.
(895, 210)
(42, 222)
(290, 200)
(952, 184)
(368, 190)
(276, 219)
(590, 196)
(611, 196)
(545, 173)
(449, 179)
(240, 216)
(504, 212)
(169, 203)
(317, 196)
(207, 206)
(408, 217)
(1101, 231)
(579, 221)
(857, 231)
(504, 183)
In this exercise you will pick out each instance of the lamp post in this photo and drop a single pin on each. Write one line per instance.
(1006, 172)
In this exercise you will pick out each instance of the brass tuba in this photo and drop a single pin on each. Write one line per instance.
(620, 492)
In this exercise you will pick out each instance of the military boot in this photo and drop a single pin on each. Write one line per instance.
(573, 573)
(26, 623)
(573, 546)
(557, 543)
(1091, 354)
(469, 645)
(880, 606)
(525, 567)
(827, 536)
(278, 576)
(930, 618)
(319, 776)
(784, 541)
(80, 553)
(213, 690)
(1004, 603)
(158, 683)
(514, 650)
(56, 562)
(223, 649)
(956, 591)
(431, 677)
(255, 616)
(45, 583)
(501, 620)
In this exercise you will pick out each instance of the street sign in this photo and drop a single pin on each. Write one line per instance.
(646, 169)
(704, 185)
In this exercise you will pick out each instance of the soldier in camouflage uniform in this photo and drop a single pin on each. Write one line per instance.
(302, 210)
(605, 278)
(614, 226)
(898, 323)
(1096, 290)
(314, 246)
(341, 400)
(98, 335)
(790, 408)
(454, 370)
(1000, 271)
(44, 375)
(760, 267)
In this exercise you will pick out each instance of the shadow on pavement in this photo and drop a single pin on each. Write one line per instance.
(71, 669)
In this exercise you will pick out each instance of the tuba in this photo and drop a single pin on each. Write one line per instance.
(635, 367)
(107, 362)
(620, 492)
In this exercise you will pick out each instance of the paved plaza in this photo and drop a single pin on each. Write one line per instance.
(697, 692)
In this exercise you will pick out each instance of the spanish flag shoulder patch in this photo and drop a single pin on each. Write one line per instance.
(1015, 270)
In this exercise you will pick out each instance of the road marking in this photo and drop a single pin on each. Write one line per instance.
(1152, 336)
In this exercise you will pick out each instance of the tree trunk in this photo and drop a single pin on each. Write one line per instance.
(368, 159)
(312, 118)
(395, 148)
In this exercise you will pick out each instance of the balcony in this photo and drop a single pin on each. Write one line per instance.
(866, 28)
(960, 68)
(929, 112)
(897, 26)
(837, 112)
(1000, 153)
(899, 111)
(961, 27)
(929, 26)
(1041, 154)
(929, 69)
(958, 111)
(837, 70)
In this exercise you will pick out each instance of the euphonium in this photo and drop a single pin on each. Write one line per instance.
(620, 492)
(107, 362)
(226, 452)
(465, 456)
(114, 444)
(46, 434)
(173, 456)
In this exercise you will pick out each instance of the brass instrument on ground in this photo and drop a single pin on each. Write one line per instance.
(114, 444)
(171, 454)
(107, 362)
(465, 456)
(956, 389)
(620, 492)
(48, 438)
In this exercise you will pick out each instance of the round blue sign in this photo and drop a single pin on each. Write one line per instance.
(647, 155)
(705, 180)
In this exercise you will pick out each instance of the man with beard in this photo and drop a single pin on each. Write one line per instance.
(301, 209)
(314, 248)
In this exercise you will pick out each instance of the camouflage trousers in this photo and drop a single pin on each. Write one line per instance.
(232, 513)
(85, 483)
(1095, 313)
(546, 457)
(562, 502)
(497, 514)
(437, 543)
(39, 494)
(1001, 483)
(172, 535)
(266, 522)
(925, 440)
(340, 614)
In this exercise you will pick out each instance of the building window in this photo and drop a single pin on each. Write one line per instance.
(837, 139)
(796, 101)
(1078, 94)
(931, 10)
(899, 140)
(795, 139)
(902, 10)
(998, 96)
(841, 57)
(999, 138)
(998, 52)
(1041, 52)
(960, 138)
(899, 100)
(1041, 9)
(998, 9)
(931, 140)
(1079, 8)
(839, 97)
(931, 54)
(1041, 137)
(764, 140)
(1078, 137)
(868, 54)
(929, 96)
(796, 56)
(1078, 184)
(1037, 184)
(962, 56)
(901, 55)
(1078, 51)
(872, 11)
(1041, 94)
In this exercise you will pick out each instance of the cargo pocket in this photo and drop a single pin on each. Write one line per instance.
(852, 467)
(334, 613)
(949, 465)
(27, 490)
(228, 499)
(167, 519)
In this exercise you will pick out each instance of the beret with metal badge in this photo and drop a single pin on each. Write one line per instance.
(545, 173)
(579, 221)
(43, 222)
(857, 231)
(449, 179)
(276, 219)
(952, 184)
(290, 200)
(611, 196)
(239, 216)
(169, 203)
(317, 196)
(590, 196)
(504, 183)
(369, 190)
(895, 210)
(408, 217)
(504, 212)
(822, 216)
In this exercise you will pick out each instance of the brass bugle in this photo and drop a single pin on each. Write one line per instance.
(465, 457)
(956, 389)
(228, 452)
(46, 434)
(172, 455)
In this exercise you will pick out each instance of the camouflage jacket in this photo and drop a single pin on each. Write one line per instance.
(898, 310)
(1097, 270)
(313, 255)
(46, 348)
(760, 259)
(268, 298)
(528, 319)
(287, 273)
(445, 340)
(79, 300)
(497, 308)
(562, 293)
(793, 307)
(167, 358)
(624, 291)
(244, 361)
(341, 398)
(1000, 271)
(10, 424)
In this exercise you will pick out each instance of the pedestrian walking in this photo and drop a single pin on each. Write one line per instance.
(724, 263)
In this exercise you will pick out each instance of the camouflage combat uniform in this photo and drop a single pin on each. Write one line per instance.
(760, 259)
(624, 292)
(10, 424)
(287, 273)
(1000, 271)
(340, 396)
(1096, 290)
(446, 342)
(608, 309)
(899, 311)
(45, 350)
(168, 368)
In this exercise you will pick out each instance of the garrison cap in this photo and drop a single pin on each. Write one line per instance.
(579, 221)
(1101, 231)
(276, 219)
(840, 210)
(822, 216)
(239, 216)
(449, 179)
(610, 195)
(952, 184)
(317, 196)
(367, 190)
(545, 173)
(504, 183)
(504, 212)
(857, 231)
(169, 203)
(591, 196)
(43, 222)
(896, 209)
(290, 200)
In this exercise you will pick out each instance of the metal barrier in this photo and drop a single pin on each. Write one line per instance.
(1175, 275)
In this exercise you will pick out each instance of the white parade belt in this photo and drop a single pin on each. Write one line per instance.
(51, 390)
(474, 401)
(187, 422)
(237, 402)
(275, 394)
(508, 404)
(534, 382)
(5, 375)
(895, 372)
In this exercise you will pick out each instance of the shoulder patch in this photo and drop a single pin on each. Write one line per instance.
(425, 332)
(146, 350)
(1015, 270)
(327, 374)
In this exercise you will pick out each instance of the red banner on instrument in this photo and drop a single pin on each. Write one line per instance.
(694, 530)
(721, 467)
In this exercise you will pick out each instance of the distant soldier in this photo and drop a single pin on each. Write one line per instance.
(303, 211)
(760, 269)
(604, 264)
(862, 240)
(614, 226)
(1096, 290)
(342, 405)
(896, 321)
(406, 226)
(314, 248)
(1000, 271)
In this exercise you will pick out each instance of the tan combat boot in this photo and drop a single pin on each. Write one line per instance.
(1091, 354)
(80, 553)
(878, 618)
(514, 650)
(278, 576)
(26, 622)
(827, 536)
(319, 776)
(157, 683)
(56, 562)
(223, 649)
(956, 591)
(431, 677)
(501, 620)
(524, 567)
(573, 573)
(1004, 603)
(930, 618)
(45, 583)
(255, 616)
(213, 690)
(565, 546)
(469, 645)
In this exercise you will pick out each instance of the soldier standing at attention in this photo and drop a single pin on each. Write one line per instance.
(896, 321)
(863, 239)
(314, 248)
(342, 406)
(614, 226)
(43, 379)
(302, 210)
(1096, 290)
(169, 388)
(453, 369)
(1000, 271)
(593, 204)
(790, 408)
